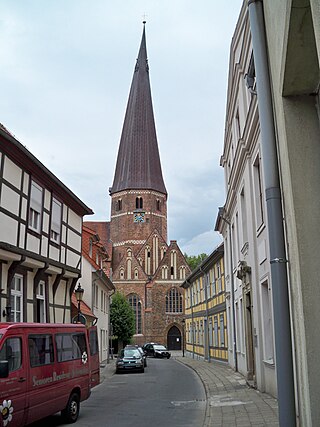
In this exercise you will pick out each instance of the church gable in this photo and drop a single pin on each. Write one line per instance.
(152, 252)
(129, 268)
(173, 266)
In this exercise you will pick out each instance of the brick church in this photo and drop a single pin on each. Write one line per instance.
(144, 267)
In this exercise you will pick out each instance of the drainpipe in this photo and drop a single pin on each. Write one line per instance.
(280, 293)
(222, 214)
(192, 335)
(205, 281)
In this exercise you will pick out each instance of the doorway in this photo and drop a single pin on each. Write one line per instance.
(174, 339)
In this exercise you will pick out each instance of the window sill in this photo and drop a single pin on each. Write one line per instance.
(269, 362)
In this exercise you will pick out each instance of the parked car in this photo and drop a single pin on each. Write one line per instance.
(143, 353)
(129, 359)
(156, 350)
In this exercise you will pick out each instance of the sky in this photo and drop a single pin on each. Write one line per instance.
(65, 73)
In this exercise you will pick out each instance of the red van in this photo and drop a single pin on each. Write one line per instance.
(44, 369)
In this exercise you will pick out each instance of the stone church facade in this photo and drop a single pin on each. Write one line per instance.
(146, 268)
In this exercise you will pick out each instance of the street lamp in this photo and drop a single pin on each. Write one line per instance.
(79, 295)
(183, 321)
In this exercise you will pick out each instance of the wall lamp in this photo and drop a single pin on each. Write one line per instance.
(7, 312)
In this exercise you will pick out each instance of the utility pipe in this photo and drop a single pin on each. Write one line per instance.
(280, 293)
(225, 217)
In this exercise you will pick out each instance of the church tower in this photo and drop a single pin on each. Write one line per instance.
(144, 267)
(138, 192)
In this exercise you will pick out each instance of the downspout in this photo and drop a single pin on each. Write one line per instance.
(235, 357)
(192, 335)
(207, 314)
(280, 293)
(223, 215)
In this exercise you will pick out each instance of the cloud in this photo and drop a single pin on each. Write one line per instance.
(65, 74)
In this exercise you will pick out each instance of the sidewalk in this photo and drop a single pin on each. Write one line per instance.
(230, 401)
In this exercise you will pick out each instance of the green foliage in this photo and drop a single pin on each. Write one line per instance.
(122, 318)
(194, 260)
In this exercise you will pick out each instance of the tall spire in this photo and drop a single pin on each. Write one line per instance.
(138, 163)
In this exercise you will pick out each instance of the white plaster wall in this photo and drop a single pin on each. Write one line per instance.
(33, 244)
(73, 259)
(12, 173)
(8, 229)
(74, 220)
(10, 199)
(74, 240)
(25, 187)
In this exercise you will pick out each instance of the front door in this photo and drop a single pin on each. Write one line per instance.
(174, 339)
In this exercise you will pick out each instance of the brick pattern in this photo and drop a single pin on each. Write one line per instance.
(149, 286)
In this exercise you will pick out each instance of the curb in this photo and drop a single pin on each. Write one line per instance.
(207, 416)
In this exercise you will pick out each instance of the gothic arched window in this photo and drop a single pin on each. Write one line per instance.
(139, 203)
(135, 304)
(173, 301)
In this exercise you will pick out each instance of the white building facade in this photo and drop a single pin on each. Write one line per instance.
(40, 238)
(97, 286)
(243, 225)
(292, 29)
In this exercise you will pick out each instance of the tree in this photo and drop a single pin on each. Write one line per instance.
(194, 260)
(122, 318)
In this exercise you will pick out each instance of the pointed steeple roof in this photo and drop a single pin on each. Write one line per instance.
(138, 163)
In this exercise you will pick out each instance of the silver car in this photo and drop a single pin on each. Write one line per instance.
(129, 359)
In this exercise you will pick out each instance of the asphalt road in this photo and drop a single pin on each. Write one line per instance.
(167, 394)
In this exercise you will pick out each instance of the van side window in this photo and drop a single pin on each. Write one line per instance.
(93, 341)
(70, 346)
(11, 351)
(40, 350)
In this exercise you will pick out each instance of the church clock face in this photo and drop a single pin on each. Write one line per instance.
(138, 217)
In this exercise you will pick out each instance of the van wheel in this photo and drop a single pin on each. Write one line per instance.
(71, 411)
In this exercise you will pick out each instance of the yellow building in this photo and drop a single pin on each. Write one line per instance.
(205, 309)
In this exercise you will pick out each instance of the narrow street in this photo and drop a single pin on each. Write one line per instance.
(171, 393)
(166, 394)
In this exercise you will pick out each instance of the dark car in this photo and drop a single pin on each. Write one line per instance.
(156, 350)
(129, 359)
(143, 353)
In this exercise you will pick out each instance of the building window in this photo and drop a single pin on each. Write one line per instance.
(158, 205)
(119, 205)
(135, 304)
(216, 338)
(17, 299)
(121, 273)
(139, 203)
(222, 330)
(173, 301)
(41, 302)
(267, 321)
(55, 231)
(35, 207)
(219, 278)
(136, 274)
(244, 216)
(258, 194)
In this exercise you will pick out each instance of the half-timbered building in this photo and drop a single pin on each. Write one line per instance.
(40, 238)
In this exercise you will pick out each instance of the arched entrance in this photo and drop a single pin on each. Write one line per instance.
(174, 339)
